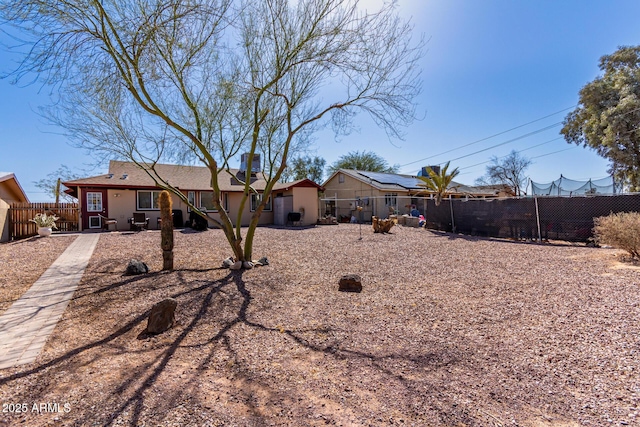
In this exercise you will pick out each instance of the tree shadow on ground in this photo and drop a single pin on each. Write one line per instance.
(137, 385)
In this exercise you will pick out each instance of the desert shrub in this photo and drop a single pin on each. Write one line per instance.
(620, 230)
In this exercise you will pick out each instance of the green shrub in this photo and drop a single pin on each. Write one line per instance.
(620, 230)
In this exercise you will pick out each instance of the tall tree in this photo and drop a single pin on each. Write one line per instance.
(507, 171)
(439, 183)
(607, 118)
(364, 161)
(305, 167)
(204, 80)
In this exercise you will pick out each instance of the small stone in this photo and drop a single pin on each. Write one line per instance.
(227, 262)
(263, 261)
(350, 283)
(162, 316)
(236, 265)
(136, 267)
(247, 264)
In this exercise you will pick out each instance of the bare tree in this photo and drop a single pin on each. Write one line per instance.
(507, 171)
(201, 81)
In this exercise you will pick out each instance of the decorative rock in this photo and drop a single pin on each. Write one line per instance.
(236, 265)
(350, 283)
(248, 265)
(227, 263)
(263, 261)
(136, 267)
(162, 316)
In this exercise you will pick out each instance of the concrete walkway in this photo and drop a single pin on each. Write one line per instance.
(27, 324)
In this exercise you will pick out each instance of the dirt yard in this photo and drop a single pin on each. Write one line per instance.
(448, 331)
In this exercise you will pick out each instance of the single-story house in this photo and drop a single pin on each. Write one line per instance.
(380, 194)
(127, 188)
(10, 192)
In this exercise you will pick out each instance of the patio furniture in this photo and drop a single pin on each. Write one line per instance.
(139, 221)
(294, 218)
(106, 222)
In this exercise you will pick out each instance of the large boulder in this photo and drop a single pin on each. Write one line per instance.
(136, 267)
(162, 316)
(350, 283)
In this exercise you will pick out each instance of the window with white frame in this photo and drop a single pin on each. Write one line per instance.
(256, 199)
(94, 202)
(148, 200)
(391, 199)
(206, 201)
(191, 197)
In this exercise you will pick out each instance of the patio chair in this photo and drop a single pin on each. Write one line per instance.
(106, 222)
(139, 221)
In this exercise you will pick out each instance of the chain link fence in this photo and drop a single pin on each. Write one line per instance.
(528, 218)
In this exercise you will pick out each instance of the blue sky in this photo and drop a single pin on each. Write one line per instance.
(490, 66)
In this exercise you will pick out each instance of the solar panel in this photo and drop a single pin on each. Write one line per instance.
(408, 182)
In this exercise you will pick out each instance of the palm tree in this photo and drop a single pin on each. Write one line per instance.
(439, 182)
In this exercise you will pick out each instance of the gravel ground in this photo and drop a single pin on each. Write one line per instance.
(448, 331)
(22, 262)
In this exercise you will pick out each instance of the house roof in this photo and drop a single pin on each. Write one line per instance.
(9, 180)
(399, 182)
(186, 178)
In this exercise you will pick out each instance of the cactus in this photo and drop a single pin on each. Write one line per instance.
(166, 231)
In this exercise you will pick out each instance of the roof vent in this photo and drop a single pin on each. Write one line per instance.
(124, 176)
(109, 176)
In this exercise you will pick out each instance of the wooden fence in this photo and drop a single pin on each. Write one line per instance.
(20, 214)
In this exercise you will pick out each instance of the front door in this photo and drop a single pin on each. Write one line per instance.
(94, 204)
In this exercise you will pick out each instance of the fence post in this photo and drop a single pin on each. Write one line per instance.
(453, 223)
(538, 219)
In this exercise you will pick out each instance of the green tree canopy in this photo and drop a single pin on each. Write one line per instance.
(305, 167)
(364, 161)
(608, 115)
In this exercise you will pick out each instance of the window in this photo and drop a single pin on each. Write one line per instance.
(148, 200)
(191, 197)
(391, 199)
(206, 201)
(94, 202)
(341, 178)
(94, 222)
(255, 201)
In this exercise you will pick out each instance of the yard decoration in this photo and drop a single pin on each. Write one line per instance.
(381, 225)
(136, 267)
(166, 232)
(162, 316)
(350, 283)
(45, 223)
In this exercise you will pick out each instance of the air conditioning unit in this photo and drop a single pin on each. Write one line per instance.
(256, 164)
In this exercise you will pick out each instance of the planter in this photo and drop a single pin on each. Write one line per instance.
(44, 231)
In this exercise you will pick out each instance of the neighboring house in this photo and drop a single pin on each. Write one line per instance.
(380, 194)
(127, 189)
(10, 192)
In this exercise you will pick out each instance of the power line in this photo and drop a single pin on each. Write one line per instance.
(559, 151)
(506, 142)
(489, 137)
(519, 151)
